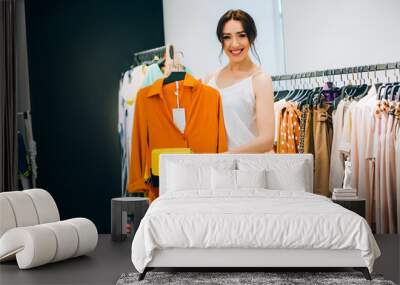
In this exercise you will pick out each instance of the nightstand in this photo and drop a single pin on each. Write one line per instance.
(355, 205)
(126, 214)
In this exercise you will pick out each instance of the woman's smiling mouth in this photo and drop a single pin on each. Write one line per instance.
(236, 52)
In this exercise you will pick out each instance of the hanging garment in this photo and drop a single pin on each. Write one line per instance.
(322, 133)
(361, 139)
(336, 173)
(31, 146)
(344, 143)
(308, 130)
(397, 148)
(279, 120)
(124, 161)
(289, 129)
(154, 126)
(130, 84)
(124, 149)
(302, 129)
(278, 106)
(239, 103)
(153, 73)
(24, 168)
(384, 224)
(356, 147)
(132, 81)
(372, 154)
(390, 167)
(365, 129)
(384, 204)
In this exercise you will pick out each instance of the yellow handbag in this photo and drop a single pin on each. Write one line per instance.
(155, 161)
(155, 156)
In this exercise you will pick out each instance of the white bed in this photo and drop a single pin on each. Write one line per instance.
(248, 227)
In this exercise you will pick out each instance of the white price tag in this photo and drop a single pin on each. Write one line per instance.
(179, 118)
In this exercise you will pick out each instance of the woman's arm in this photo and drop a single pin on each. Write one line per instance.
(264, 117)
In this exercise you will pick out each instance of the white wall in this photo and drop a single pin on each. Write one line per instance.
(191, 26)
(323, 34)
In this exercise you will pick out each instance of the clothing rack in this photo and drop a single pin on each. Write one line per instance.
(338, 71)
(147, 55)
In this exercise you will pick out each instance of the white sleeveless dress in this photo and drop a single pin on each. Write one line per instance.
(239, 107)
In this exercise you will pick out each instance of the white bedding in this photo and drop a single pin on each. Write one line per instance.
(252, 218)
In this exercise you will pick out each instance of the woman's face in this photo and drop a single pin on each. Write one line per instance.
(235, 41)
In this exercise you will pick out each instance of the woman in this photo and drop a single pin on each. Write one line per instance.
(246, 91)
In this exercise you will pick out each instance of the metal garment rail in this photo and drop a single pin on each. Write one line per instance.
(338, 71)
(148, 54)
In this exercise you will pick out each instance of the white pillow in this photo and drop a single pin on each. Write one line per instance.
(193, 174)
(251, 178)
(235, 179)
(181, 177)
(281, 180)
(282, 174)
(223, 179)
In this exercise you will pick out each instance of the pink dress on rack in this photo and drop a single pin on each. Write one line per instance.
(375, 156)
(362, 133)
(383, 213)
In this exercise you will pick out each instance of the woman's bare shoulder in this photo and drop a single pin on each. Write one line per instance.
(260, 74)
(262, 84)
(260, 78)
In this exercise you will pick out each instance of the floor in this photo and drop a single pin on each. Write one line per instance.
(389, 262)
(103, 266)
(110, 260)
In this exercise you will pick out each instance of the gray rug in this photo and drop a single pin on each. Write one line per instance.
(243, 278)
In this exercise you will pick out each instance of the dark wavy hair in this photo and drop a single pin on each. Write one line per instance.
(248, 25)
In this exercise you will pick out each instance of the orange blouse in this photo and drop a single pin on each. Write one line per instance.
(154, 127)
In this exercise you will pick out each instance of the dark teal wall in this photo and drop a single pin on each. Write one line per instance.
(77, 50)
